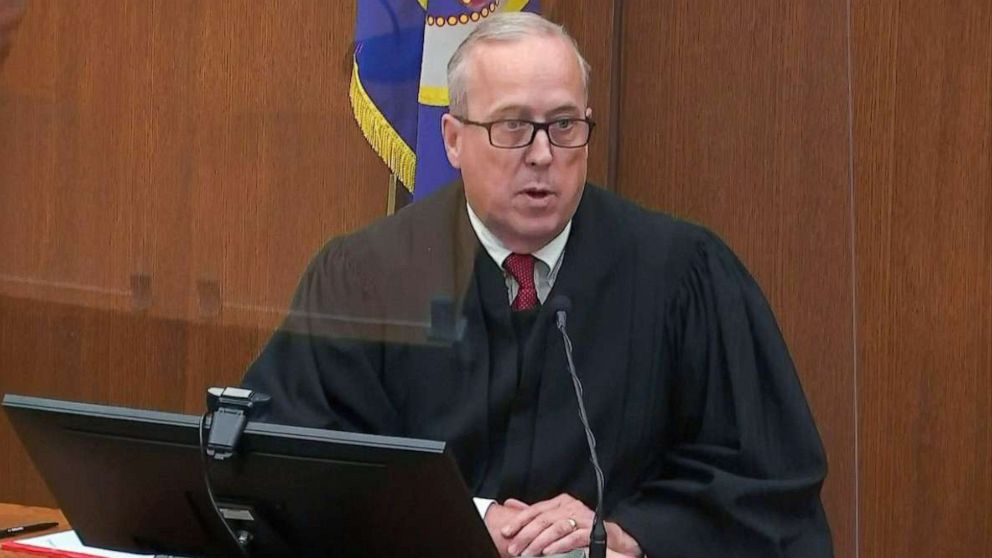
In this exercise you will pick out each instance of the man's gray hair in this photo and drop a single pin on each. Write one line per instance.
(503, 27)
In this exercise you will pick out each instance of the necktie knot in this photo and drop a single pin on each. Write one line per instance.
(521, 267)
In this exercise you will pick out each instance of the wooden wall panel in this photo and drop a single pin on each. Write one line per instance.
(72, 352)
(591, 23)
(289, 124)
(923, 133)
(165, 137)
(167, 168)
(11, 12)
(735, 115)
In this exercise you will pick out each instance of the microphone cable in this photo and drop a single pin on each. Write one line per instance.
(597, 535)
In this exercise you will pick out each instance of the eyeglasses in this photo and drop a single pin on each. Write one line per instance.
(513, 134)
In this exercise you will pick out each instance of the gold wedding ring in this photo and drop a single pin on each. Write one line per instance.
(573, 523)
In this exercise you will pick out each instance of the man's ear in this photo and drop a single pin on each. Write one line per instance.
(451, 131)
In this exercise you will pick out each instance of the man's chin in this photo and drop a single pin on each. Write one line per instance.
(534, 235)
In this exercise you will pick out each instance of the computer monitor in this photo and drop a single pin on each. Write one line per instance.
(131, 480)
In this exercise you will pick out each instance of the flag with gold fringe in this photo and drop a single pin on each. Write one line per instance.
(399, 86)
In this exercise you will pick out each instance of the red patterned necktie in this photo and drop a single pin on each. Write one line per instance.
(521, 267)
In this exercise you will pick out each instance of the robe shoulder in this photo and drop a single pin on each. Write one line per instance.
(665, 247)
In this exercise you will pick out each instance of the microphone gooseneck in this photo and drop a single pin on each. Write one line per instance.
(597, 537)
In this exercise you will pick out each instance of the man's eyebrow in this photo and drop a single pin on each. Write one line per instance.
(522, 111)
(515, 110)
(568, 108)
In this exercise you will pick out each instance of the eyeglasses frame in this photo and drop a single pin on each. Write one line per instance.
(538, 126)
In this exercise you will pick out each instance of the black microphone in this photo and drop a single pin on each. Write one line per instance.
(561, 304)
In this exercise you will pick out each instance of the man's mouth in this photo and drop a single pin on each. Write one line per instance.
(537, 193)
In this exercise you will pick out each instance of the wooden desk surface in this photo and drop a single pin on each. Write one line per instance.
(12, 515)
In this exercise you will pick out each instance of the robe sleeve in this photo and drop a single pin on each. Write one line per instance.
(744, 475)
(323, 365)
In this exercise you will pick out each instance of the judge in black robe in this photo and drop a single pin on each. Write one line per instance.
(704, 435)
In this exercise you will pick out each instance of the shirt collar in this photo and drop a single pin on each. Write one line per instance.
(549, 254)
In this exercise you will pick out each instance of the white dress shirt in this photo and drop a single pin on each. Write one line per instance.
(548, 257)
(548, 262)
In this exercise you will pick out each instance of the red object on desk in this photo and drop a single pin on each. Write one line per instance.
(15, 546)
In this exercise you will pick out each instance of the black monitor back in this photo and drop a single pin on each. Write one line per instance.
(132, 480)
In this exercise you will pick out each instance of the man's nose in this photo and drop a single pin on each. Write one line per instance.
(539, 151)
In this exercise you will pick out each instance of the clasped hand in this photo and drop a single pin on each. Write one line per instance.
(554, 526)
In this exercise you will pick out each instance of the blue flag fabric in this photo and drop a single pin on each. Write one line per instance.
(399, 86)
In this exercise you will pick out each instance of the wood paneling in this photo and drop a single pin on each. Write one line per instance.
(923, 133)
(187, 142)
(167, 168)
(11, 12)
(106, 356)
(591, 24)
(735, 115)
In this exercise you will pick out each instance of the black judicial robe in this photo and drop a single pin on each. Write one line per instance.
(704, 434)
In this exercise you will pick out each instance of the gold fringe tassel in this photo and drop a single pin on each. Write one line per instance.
(385, 140)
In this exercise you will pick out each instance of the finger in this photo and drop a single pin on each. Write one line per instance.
(556, 531)
(515, 504)
(546, 505)
(526, 516)
(535, 509)
(559, 501)
(576, 539)
(518, 521)
(564, 501)
(528, 533)
(578, 511)
(584, 516)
